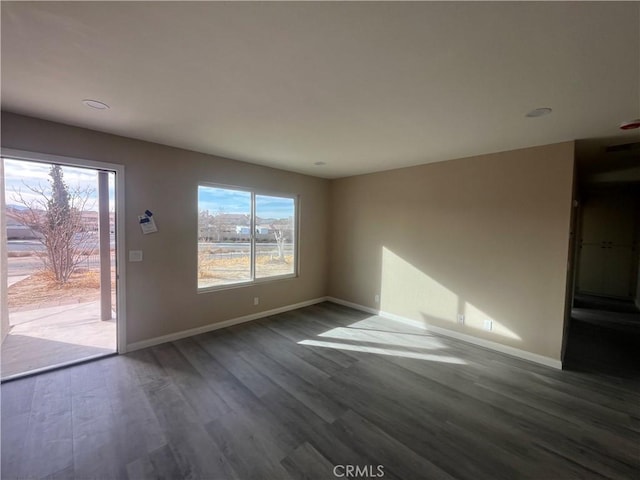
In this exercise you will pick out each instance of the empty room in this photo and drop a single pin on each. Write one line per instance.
(320, 240)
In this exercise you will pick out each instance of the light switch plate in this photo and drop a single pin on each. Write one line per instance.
(135, 255)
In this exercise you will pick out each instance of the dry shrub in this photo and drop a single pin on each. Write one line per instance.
(225, 268)
(211, 267)
(86, 279)
(80, 279)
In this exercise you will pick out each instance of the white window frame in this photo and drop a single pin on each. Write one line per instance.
(252, 243)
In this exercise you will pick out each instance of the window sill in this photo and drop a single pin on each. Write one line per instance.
(248, 283)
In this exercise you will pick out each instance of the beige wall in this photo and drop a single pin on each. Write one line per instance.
(484, 236)
(161, 291)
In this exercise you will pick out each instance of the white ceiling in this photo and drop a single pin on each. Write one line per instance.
(361, 86)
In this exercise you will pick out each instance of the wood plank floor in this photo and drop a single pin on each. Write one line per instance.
(294, 395)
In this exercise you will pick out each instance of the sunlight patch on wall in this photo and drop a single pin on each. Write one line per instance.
(475, 318)
(407, 291)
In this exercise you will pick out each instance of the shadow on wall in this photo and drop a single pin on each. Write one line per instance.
(407, 291)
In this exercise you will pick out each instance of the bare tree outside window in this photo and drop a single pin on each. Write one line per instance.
(250, 237)
(280, 236)
(55, 213)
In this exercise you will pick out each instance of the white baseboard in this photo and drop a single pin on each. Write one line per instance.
(498, 347)
(216, 326)
(514, 352)
(355, 306)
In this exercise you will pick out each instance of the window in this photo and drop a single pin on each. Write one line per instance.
(244, 236)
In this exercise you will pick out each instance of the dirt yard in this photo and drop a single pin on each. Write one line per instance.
(41, 290)
(219, 271)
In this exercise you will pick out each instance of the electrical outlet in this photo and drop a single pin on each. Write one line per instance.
(461, 318)
(377, 298)
(487, 325)
(256, 300)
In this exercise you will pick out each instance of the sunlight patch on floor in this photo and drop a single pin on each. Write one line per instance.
(397, 339)
(384, 351)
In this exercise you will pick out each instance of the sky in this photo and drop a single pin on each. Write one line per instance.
(235, 201)
(19, 174)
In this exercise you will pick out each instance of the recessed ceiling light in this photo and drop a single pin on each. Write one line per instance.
(319, 164)
(630, 125)
(95, 104)
(539, 112)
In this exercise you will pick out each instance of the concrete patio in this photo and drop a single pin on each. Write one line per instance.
(57, 335)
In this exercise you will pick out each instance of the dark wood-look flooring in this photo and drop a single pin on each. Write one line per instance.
(603, 349)
(252, 402)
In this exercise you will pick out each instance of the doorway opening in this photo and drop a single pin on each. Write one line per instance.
(60, 262)
(604, 326)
